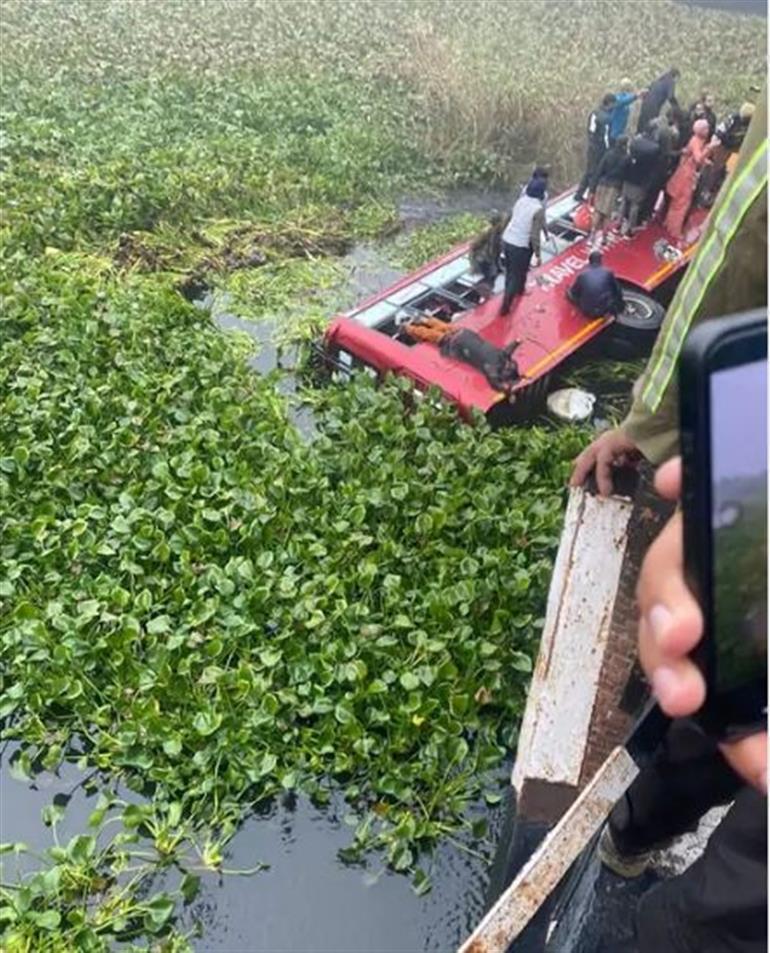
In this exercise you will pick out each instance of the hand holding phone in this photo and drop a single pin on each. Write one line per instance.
(670, 628)
(723, 403)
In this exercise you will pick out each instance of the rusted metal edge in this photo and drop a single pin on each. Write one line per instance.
(543, 871)
(556, 723)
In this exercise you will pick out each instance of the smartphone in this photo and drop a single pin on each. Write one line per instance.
(723, 408)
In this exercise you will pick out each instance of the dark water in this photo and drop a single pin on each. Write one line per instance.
(754, 7)
(307, 900)
(424, 210)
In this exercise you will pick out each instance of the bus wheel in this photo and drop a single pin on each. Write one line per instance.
(634, 331)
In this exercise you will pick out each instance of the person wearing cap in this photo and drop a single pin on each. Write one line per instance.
(521, 239)
(542, 173)
(621, 109)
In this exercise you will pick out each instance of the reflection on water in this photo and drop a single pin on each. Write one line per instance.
(307, 900)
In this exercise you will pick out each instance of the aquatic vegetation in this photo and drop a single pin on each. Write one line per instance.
(430, 241)
(86, 895)
(219, 611)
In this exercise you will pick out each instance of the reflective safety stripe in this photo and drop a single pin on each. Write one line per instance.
(742, 194)
(551, 356)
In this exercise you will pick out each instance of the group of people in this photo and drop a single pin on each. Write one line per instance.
(596, 291)
(680, 155)
(676, 158)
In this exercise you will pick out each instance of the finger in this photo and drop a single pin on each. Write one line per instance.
(584, 463)
(675, 681)
(665, 601)
(604, 465)
(749, 758)
(668, 479)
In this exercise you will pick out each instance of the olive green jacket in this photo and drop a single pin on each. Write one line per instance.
(727, 275)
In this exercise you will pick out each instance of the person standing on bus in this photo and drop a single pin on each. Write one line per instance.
(598, 132)
(643, 153)
(681, 186)
(661, 91)
(702, 108)
(664, 133)
(728, 139)
(621, 109)
(609, 181)
(521, 239)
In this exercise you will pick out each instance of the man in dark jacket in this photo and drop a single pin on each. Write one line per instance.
(598, 131)
(639, 176)
(664, 133)
(596, 291)
(732, 131)
(661, 91)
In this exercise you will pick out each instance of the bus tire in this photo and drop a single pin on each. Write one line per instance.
(633, 333)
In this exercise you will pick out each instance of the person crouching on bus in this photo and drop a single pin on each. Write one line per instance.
(521, 239)
(596, 291)
(485, 251)
(609, 181)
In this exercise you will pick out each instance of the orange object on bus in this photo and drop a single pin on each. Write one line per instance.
(582, 217)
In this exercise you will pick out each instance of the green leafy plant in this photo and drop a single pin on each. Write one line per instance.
(85, 895)
(429, 241)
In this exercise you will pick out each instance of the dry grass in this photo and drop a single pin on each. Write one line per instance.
(488, 85)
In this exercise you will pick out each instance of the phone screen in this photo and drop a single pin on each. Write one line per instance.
(739, 521)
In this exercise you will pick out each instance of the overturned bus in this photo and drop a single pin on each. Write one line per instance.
(551, 329)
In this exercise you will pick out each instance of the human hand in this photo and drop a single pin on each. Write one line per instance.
(538, 261)
(671, 625)
(613, 448)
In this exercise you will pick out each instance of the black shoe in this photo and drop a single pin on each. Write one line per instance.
(577, 197)
(624, 865)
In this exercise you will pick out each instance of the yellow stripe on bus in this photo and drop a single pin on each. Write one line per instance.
(670, 266)
(565, 345)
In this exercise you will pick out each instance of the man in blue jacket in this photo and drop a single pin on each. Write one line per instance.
(596, 290)
(619, 115)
